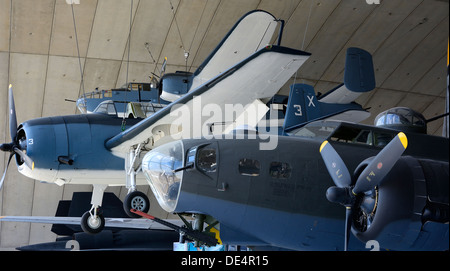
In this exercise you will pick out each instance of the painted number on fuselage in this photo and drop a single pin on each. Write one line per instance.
(30, 141)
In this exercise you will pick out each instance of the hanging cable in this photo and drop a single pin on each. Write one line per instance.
(307, 24)
(304, 35)
(128, 64)
(78, 51)
(129, 41)
(186, 53)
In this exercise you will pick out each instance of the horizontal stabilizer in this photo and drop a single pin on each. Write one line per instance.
(303, 107)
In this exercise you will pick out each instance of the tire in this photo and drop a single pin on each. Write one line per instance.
(136, 200)
(90, 226)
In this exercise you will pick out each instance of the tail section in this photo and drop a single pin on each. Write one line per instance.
(359, 73)
(359, 77)
(338, 104)
(302, 106)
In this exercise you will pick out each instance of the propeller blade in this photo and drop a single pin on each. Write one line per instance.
(380, 166)
(25, 158)
(336, 167)
(6, 169)
(12, 115)
(348, 225)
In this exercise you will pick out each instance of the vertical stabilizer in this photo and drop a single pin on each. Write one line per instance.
(302, 106)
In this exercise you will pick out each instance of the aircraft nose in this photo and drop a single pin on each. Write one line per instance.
(159, 167)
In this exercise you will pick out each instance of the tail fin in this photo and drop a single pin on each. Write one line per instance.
(302, 106)
(359, 77)
(359, 74)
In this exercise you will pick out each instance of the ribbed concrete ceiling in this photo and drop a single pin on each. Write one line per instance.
(38, 55)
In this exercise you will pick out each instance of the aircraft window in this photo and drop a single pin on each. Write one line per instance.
(107, 94)
(191, 155)
(363, 138)
(381, 139)
(358, 136)
(315, 130)
(249, 167)
(345, 134)
(107, 108)
(280, 170)
(206, 160)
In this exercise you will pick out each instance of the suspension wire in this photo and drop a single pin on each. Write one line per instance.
(307, 24)
(304, 36)
(129, 41)
(128, 64)
(186, 53)
(78, 51)
(178, 28)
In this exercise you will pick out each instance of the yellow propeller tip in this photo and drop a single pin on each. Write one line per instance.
(323, 145)
(10, 85)
(32, 166)
(403, 139)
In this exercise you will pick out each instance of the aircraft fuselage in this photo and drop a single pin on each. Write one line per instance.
(70, 149)
(277, 198)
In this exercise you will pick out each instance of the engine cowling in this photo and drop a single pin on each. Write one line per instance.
(393, 213)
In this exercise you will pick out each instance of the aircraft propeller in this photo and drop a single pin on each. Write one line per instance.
(346, 194)
(13, 147)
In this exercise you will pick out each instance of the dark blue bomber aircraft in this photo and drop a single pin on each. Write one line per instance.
(279, 197)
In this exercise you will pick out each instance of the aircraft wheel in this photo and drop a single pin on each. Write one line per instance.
(136, 200)
(91, 224)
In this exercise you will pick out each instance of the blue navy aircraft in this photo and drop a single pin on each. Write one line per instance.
(263, 191)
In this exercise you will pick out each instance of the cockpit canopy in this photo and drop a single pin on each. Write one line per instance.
(159, 167)
(403, 119)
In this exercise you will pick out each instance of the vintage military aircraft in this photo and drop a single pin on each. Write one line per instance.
(284, 198)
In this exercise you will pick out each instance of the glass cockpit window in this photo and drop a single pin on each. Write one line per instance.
(206, 159)
(107, 108)
(280, 170)
(159, 167)
(249, 167)
(318, 129)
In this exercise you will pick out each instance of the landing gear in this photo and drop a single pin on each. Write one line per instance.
(134, 200)
(92, 223)
(138, 201)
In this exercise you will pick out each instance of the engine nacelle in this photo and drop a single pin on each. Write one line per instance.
(397, 218)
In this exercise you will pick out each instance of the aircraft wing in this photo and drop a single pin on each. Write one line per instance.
(259, 76)
(251, 33)
(129, 223)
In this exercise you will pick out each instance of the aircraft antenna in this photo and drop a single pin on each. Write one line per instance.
(78, 50)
